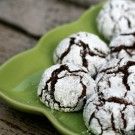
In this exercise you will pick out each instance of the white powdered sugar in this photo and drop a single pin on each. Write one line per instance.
(64, 87)
(117, 16)
(123, 46)
(84, 49)
(111, 111)
(109, 100)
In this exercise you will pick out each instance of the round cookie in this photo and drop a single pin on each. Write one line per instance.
(123, 46)
(83, 49)
(111, 111)
(116, 17)
(64, 87)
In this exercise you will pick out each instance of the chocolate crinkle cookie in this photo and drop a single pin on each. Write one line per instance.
(123, 46)
(117, 16)
(64, 87)
(111, 111)
(84, 49)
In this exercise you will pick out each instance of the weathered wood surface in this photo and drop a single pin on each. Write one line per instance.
(38, 16)
(85, 3)
(21, 24)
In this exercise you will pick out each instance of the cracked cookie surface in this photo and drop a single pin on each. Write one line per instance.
(112, 110)
(117, 16)
(64, 87)
(82, 49)
(123, 46)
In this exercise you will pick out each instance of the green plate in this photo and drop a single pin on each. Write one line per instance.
(19, 77)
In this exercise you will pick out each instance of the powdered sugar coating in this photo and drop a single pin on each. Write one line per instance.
(83, 49)
(123, 46)
(117, 16)
(111, 111)
(64, 87)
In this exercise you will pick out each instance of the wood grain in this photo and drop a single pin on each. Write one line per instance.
(38, 16)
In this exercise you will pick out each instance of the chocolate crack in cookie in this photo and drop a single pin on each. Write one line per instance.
(117, 16)
(111, 111)
(83, 49)
(123, 46)
(64, 87)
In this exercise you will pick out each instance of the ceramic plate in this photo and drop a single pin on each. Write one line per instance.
(19, 77)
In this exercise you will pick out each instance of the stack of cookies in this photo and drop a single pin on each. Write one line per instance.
(66, 85)
(99, 79)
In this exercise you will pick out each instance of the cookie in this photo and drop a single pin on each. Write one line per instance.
(82, 49)
(64, 87)
(116, 17)
(111, 111)
(123, 46)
